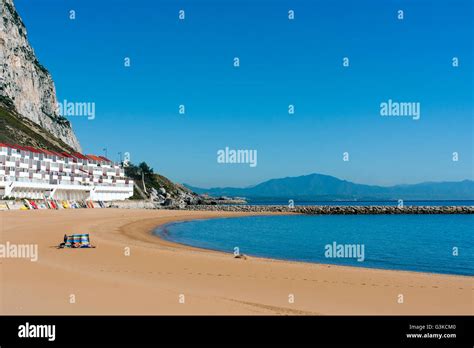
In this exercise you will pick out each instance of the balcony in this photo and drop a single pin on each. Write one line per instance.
(7, 178)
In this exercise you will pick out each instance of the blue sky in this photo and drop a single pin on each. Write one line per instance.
(283, 62)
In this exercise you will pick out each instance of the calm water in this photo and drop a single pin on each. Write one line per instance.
(367, 203)
(405, 242)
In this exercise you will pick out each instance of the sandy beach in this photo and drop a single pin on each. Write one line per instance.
(158, 276)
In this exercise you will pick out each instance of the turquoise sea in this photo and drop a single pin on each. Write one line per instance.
(365, 203)
(424, 243)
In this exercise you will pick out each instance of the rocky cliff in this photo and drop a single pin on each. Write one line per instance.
(26, 88)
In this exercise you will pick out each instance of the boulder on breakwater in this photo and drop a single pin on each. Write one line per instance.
(336, 210)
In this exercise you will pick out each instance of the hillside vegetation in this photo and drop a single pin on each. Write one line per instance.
(15, 129)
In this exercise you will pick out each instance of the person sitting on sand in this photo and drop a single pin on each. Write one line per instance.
(75, 242)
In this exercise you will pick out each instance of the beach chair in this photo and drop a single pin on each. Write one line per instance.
(27, 204)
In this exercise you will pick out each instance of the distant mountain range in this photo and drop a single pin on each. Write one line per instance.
(316, 187)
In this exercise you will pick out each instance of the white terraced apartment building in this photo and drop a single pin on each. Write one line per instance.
(27, 172)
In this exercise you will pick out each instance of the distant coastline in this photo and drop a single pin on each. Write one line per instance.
(320, 187)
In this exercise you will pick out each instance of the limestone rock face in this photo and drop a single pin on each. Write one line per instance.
(25, 83)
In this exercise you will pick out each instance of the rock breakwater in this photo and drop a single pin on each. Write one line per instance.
(337, 210)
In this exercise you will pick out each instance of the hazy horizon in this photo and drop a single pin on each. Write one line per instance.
(354, 182)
